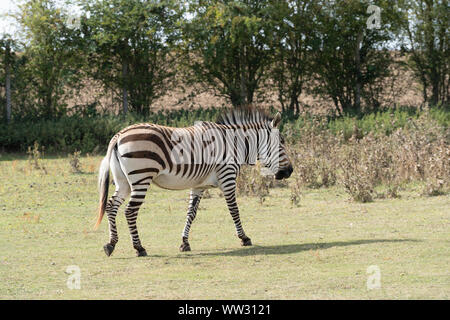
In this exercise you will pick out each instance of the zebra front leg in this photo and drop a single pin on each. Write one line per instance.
(229, 192)
(194, 200)
(131, 213)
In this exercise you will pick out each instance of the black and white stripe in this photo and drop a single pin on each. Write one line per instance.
(143, 154)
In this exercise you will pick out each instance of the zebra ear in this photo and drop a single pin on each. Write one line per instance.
(276, 120)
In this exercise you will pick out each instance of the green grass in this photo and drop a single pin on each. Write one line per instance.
(320, 250)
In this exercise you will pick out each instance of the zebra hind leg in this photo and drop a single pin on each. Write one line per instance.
(122, 192)
(194, 200)
(131, 213)
(111, 210)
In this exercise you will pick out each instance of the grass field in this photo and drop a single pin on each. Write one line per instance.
(319, 250)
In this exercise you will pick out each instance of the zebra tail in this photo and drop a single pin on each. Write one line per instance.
(103, 182)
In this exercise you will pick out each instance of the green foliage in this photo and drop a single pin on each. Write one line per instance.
(441, 116)
(380, 123)
(294, 36)
(87, 134)
(228, 46)
(244, 50)
(426, 31)
(130, 45)
(53, 58)
(351, 61)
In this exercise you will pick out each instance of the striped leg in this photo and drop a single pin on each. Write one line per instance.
(230, 197)
(131, 213)
(194, 201)
(228, 187)
(111, 210)
(121, 193)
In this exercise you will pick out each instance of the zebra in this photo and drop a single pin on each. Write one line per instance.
(146, 153)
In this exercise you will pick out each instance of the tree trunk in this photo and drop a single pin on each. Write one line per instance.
(8, 82)
(358, 72)
(125, 92)
(243, 80)
(435, 85)
(294, 105)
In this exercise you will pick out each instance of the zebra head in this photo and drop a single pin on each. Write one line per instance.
(259, 139)
(274, 156)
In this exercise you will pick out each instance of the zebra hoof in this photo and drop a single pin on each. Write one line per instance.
(140, 251)
(185, 247)
(109, 248)
(246, 242)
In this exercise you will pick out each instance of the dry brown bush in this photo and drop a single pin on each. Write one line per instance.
(313, 157)
(418, 152)
(250, 182)
(363, 164)
(75, 162)
(35, 155)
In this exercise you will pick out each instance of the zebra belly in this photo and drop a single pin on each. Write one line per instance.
(174, 182)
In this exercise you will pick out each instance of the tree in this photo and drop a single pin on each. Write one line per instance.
(8, 58)
(428, 43)
(8, 48)
(349, 58)
(294, 34)
(131, 48)
(228, 46)
(54, 57)
(17, 79)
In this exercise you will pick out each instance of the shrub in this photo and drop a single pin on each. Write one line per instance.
(75, 163)
(35, 155)
(295, 191)
(251, 182)
(357, 177)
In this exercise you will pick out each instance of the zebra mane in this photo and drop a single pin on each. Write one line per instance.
(244, 115)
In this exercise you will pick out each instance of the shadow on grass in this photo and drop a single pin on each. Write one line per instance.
(295, 248)
(268, 250)
(83, 173)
